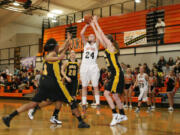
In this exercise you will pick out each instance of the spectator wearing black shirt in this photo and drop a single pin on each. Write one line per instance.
(170, 61)
(162, 62)
(146, 68)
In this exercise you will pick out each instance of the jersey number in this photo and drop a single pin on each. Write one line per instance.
(88, 55)
(72, 73)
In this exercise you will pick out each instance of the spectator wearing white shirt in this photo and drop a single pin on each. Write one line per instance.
(160, 26)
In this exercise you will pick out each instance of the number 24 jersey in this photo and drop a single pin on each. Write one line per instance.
(90, 54)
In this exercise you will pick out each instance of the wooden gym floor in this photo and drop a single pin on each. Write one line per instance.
(159, 122)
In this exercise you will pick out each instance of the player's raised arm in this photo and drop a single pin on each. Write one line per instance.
(98, 36)
(101, 33)
(82, 34)
(66, 44)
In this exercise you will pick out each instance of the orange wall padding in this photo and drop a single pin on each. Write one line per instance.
(123, 23)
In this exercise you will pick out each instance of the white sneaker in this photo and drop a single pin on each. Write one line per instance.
(93, 104)
(153, 107)
(30, 114)
(122, 118)
(137, 110)
(148, 110)
(115, 119)
(55, 121)
(170, 109)
(130, 106)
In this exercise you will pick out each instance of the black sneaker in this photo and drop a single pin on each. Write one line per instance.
(6, 120)
(83, 125)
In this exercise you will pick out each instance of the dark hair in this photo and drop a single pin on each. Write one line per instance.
(50, 44)
(115, 44)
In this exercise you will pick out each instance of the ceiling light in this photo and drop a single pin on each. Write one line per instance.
(58, 12)
(50, 15)
(137, 1)
(54, 21)
(16, 4)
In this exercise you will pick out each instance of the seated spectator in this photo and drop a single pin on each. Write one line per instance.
(177, 68)
(166, 70)
(162, 62)
(1, 79)
(171, 61)
(16, 71)
(146, 68)
(24, 69)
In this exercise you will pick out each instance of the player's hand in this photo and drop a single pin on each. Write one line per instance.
(95, 18)
(68, 79)
(69, 36)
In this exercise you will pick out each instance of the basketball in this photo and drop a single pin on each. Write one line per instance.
(87, 19)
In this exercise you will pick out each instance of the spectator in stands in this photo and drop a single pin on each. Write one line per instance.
(1, 79)
(160, 26)
(177, 68)
(37, 78)
(162, 62)
(166, 70)
(177, 59)
(16, 71)
(24, 69)
(146, 68)
(171, 61)
(31, 69)
(7, 71)
(124, 67)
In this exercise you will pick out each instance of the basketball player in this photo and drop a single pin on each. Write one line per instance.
(71, 82)
(70, 73)
(152, 84)
(142, 81)
(129, 79)
(116, 83)
(89, 70)
(51, 86)
(171, 82)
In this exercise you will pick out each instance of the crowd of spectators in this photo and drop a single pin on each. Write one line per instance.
(161, 70)
(26, 77)
(21, 79)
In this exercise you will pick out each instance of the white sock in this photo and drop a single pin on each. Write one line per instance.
(84, 100)
(97, 98)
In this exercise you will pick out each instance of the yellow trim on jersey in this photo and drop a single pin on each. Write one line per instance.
(116, 79)
(111, 52)
(62, 86)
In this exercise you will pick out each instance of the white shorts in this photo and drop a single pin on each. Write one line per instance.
(143, 96)
(89, 73)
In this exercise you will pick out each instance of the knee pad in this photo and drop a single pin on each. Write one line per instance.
(73, 105)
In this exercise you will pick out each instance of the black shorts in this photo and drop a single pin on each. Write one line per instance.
(51, 90)
(116, 83)
(72, 87)
(127, 86)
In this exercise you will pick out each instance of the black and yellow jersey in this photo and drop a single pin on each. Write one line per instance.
(72, 69)
(52, 68)
(112, 61)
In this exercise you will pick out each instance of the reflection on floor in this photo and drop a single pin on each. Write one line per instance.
(159, 122)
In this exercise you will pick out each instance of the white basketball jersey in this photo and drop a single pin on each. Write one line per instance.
(142, 82)
(90, 54)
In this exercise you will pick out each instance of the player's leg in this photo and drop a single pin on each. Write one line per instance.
(170, 99)
(54, 117)
(94, 76)
(126, 98)
(119, 106)
(130, 97)
(85, 81)
(25, 107)
(32, 111)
